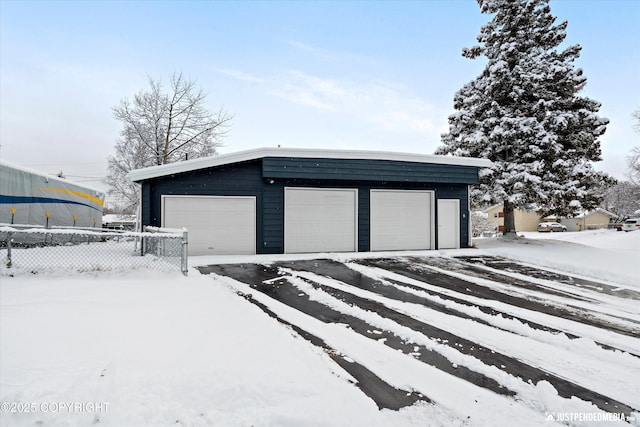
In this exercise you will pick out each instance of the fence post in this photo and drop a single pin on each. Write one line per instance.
(143, 241)
(9, 239)
(185, 252)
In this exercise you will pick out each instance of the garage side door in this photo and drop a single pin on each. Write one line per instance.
(448, 223)
(320, 220)
(401, 220)
(216, 225)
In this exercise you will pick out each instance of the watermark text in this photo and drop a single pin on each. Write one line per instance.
(588, 416)
(54, 407)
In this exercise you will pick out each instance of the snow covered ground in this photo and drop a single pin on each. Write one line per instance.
(607, 255)
(156, 348)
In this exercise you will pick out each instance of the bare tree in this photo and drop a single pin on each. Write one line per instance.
(633, 159)
(160, 128)
(481, 223)
(623, 199)
(633, 163)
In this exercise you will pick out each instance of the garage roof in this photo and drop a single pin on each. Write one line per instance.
(259, 153)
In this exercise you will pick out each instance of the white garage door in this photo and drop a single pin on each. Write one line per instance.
(216, 225)
(320, 220)
(401, 220)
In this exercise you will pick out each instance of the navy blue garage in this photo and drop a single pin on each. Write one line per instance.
(276, 200)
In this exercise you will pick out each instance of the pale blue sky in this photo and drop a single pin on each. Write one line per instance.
(375, 75)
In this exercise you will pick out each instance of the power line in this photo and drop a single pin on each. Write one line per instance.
(64, 164)
(87, 177)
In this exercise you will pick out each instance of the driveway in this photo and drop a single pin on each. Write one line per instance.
(507, 328)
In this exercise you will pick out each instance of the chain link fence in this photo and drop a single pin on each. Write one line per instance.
(39, 250)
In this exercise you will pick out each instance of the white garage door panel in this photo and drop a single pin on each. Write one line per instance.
(216, 225)
(320, 220)
(401, 220)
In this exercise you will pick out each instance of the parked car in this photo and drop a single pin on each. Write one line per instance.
(615, 226)
(551, 226)
(631, 224)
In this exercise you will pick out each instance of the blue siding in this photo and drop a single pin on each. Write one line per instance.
(367, 170)
(266, 179)
(364, 222)
(273, 218)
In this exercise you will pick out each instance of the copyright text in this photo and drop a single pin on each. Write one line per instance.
(55, 407)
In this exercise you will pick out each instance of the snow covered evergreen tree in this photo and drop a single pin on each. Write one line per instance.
(524, 113)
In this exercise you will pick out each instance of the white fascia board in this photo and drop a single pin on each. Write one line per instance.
(309, 153)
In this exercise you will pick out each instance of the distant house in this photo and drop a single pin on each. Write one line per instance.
(119, 222)
(528, 220)
(590, 220)
(525, 220)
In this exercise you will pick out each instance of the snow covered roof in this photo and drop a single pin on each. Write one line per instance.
(528, 208)
(486, 210)
(108, 218)
(587, 213)
(49, 177)
(258, 153)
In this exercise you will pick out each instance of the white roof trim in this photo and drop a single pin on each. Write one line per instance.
(258, 153)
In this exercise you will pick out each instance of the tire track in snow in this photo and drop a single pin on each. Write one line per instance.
(489, 357)
(455, 401)
(604, 339)
(383, 394)
(277, 286)
(429, 274)
(346, 274)
(503, 264)
(270, 281)
(580, 300)
(485, 273)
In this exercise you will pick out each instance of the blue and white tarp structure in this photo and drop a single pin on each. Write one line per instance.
(31, 198)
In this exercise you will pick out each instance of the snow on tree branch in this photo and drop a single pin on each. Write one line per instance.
(525, 114)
